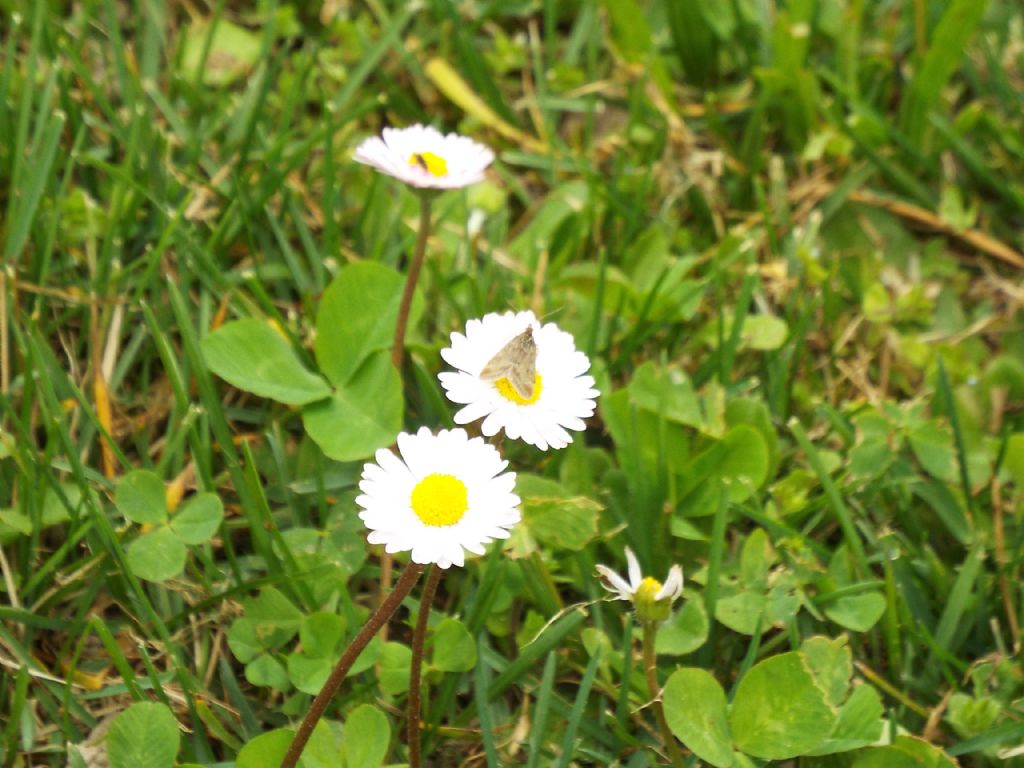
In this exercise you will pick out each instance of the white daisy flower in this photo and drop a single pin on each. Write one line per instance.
(447, 493)
(652, 599)
(422, 156)
(540, 412)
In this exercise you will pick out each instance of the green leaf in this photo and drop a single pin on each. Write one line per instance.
(198, 519)
(933, 447)
(309, 673)
(871, 457)
(357, 317)
(1003, 372)
(739, 461)
(267, 750)
(764, 332)
(598, 644)
(972, 716)
(756, 558)
(267, 671)
(395, 661)
(54, 511)
(13, 524)
(363, 415)
(244, 640)
(323, 749)
(685, 632)
(830, 663)
(366, 737)
(141, 497)
(857, 612)
(666, 392)
(695, 709)
(778, 711)
(367, 658)
(345, 543)
(755, 414)
(233, 52)
(454, 648)
(859, 725)
(276, 620)
(157, 555)
(905, 752)
(143, 736)
(320, 633)
(555, 517)
(1013, 459)
(741, 612)
(251, 355)
(782, 600)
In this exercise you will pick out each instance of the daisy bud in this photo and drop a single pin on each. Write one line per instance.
(651, 599)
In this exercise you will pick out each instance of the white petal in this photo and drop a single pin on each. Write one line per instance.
(673, 586)
(615, 583)
(635, 576)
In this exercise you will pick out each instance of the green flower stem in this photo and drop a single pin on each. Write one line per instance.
(416, 666)
(650, 668)
(406, 582)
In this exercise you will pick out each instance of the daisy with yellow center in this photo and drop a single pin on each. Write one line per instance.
(423, 157)
(651, 599)
(562, 393)
(446, 494)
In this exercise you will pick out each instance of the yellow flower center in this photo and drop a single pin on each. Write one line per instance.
(429, 162)
(648, 588)
(439, 500)
(507, 391)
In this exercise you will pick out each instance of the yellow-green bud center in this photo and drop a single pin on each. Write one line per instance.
(648, 607)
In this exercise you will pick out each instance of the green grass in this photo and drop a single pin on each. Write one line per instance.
(790, 242)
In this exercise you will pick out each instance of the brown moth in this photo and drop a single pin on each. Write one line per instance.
(517, 362)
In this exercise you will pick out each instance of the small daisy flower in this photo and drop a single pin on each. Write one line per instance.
(651, 599)
(423, 157)
(562, 394)
(447, 493)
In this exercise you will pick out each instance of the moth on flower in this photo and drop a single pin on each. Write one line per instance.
(520, 376)
(423, 157)
(651, 599)
(516, 362)
(445, 495)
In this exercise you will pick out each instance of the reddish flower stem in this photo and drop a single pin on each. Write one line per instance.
(413, 705)
(398, 345)
(406, 582)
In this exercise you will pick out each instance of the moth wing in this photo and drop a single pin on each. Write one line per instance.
(507, 357)
(499, 365)
(523, 375)
(517, 362)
